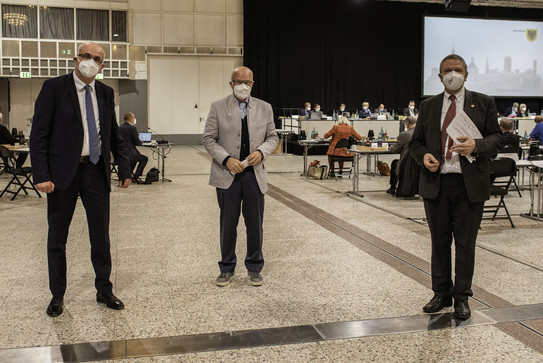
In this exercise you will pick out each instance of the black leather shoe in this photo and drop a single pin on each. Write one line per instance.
(391, 191)
(56, 306)
(437, 303)
(461, 309)
(110, 300)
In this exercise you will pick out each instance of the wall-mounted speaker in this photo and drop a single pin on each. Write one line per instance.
(457, 5)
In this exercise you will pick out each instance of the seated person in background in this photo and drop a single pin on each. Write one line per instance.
(411, 110)
(131, 139)
(401, 147)
(523, 111)
(381, 110)
(317, 113)
(511, 142)
(537, 132)
(340, 131)
(7, 138)
(341, 110)
(306, 111)
(365, 112)
(511, 111)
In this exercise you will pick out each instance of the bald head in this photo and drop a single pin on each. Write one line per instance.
(89, 52)
(242, 73)
(241, 82)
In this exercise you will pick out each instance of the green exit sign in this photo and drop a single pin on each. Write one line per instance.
(25, 75)
(100, 76)
(66, 51)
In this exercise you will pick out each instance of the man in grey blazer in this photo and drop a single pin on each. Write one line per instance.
(239, 135)
(453, 188)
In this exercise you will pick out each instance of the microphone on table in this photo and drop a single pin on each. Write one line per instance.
(163, 141)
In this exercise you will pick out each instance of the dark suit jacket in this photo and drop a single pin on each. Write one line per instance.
(402, 146)
(131, 139)
(56, 138)
(511, 143)
(481, 109)
(407, 113)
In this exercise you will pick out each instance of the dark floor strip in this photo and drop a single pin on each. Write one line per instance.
(265, 337)
(406, 263)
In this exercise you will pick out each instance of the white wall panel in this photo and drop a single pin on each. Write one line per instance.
(146, 28)
(210, 30)
(145, 5)
(210, 6)
(178, 29)
(178, 5)
(235, 30)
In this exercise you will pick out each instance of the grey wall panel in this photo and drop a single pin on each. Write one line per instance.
(133, 98)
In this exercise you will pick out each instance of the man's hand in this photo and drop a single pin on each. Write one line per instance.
(234, 165)
(46, 187)
(124, 183)
(254, 158)
(430, 162)
(466, 147)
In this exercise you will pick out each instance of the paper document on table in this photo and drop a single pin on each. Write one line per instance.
(461, 125)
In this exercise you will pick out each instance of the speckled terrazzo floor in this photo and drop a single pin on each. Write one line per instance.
(165, 252)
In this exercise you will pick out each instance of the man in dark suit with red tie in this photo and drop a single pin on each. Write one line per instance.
(74, 130)
(454, 189)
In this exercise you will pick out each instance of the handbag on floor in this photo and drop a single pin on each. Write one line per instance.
(318, 172)
(383, 168)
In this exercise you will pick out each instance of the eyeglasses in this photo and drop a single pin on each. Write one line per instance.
(87, 56)
(238, 82)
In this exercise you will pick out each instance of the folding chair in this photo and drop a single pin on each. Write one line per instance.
(342, 143)
(17, 174)
(513, 156)
(500, 168)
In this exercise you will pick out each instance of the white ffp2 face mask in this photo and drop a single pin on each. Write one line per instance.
(453, 81)
(88, 68)
(242, 91)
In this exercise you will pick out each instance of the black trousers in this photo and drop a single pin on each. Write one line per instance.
(393, 175)
(450, 215)
(243, 195)
(90, 183)
(141, 160)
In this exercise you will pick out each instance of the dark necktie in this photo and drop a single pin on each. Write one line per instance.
(94, 152)
(451, 112)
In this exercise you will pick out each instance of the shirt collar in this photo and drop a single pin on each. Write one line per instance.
(459, 96)
(80, 85)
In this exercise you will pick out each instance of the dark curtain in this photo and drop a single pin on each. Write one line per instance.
(345, 51)
(92, 24)
(118, 26)
(19, 21)
(56, 23)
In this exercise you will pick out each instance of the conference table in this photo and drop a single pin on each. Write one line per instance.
(536, 190)
(370, 153)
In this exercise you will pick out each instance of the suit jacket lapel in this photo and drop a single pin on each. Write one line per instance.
(435, 123)
(100, 99)
(72, 93)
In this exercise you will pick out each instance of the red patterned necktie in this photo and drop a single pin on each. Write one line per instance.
(451, 112)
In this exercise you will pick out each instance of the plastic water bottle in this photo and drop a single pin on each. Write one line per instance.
(525, 137)
(334, 115)
(313, 133)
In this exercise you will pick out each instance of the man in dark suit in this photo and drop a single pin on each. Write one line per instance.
(454, 188)
(7, 138)
(411, 110)
(511, 142)
(74, 130)
(401, 147)
(131, 139)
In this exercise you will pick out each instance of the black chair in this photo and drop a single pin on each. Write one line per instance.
(342, 143)
(500, 168)
(19, 176)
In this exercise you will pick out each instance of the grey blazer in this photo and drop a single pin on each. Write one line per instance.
(222, 137)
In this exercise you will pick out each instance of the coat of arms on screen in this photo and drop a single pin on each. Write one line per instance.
(531, 34)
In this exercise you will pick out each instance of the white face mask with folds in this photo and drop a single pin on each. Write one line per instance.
(88, 68)
(453, 81)
(242, 91)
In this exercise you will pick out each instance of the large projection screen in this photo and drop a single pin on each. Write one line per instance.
(504, 57)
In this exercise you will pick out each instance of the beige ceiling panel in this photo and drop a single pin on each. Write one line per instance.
(210, 30)
(179, 5)
(146, 28)
(210, 6)
(235, 30)
(178, 29)
(145, 5)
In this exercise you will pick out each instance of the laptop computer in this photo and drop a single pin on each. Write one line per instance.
(315, 115)
(145, 136)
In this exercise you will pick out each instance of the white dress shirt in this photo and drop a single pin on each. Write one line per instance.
(80, 88)
(452, 165)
